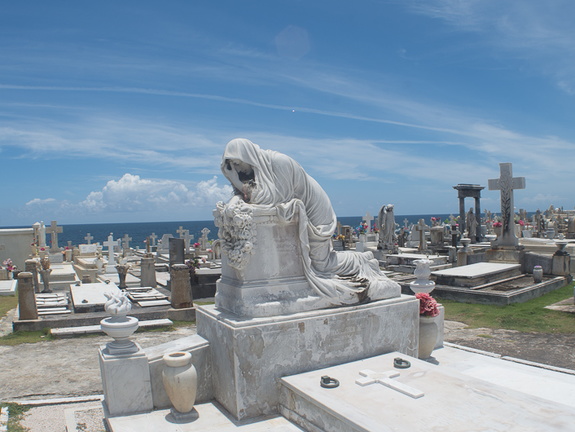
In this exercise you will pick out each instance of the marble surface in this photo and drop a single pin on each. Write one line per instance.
(476, 270)
(249, 355)
(87, 296)
(453, 401)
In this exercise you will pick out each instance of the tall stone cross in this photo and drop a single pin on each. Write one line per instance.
(421, 227)
(126, 243)
(181, 231)
(368, 219)
(89, 238)
(204, 239)
(153, 238)
(110, 244)
(506, 183)
(385, 378)
(54, 230)
(187, 240)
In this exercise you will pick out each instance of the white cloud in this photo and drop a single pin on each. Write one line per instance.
(39, 201)
(131, 193)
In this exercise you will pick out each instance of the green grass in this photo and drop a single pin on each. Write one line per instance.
(16, 414)
(530, 316)
(7, 303)
(20, 337)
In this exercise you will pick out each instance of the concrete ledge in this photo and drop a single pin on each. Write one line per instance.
(520, 295)
(64, 332)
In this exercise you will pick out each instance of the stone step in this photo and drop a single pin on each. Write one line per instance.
(94, 329)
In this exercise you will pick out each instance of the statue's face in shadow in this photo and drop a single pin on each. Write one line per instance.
(241, 175)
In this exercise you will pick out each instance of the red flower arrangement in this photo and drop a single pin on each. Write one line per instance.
(427, 305)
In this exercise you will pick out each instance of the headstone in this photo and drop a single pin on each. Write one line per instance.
(54, 230)
(126, 244)
(181, 296)
(506, 183)
(187, 241)
(148, 272)
(420, 228)
(176, 251)
(89, 238)
(88, 249)
(26, 300)
(204, 242)
(164, 245)
(368, 220)
(110, 244)
(181, 231)
(31, 266)
(153, 238)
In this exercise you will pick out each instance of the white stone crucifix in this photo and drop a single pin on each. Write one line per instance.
(110, 244)
(153, 238)
(506, 183)
(181, 231)
(89, 238)
(368, 219)
(204, 239)
(126, 243)
(421, 227)
(54, 230)
(385, 378)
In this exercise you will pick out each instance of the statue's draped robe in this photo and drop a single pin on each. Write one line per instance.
(282, 183)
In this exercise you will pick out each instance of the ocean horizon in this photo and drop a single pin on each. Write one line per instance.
(139, 231)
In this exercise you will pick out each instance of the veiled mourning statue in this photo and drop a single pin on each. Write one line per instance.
(278, 206)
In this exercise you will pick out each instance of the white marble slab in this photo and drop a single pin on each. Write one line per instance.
(476, 270)
(8, 287)
(210, 419)
(91, 295)
(452, 401)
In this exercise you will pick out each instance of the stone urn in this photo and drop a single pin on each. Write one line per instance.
(428, 333)
(181, 383)
(537, 274)
(422, 272)
(119, 326)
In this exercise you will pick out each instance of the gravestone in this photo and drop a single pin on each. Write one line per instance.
(506, 184)
(368, 218)
(421, 227)
(126, 244)
(27, 309)
(204, 242)
(54, 230)
(164, 246)
(110, 244)
(89, 238)
(148, 272)
(181, 296)
(153, 238)
(176, 251)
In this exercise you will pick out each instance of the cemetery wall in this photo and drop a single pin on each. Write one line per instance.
(15, 244)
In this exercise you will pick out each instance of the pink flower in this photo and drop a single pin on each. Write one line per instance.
(427, 305)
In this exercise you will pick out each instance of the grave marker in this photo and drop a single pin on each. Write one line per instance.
(506, 183)
(384, 378)
(54, 230)
(89, 238)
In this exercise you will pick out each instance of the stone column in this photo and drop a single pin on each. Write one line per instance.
(181, 287)
(148, 272)
(26, 300)
(31, 266)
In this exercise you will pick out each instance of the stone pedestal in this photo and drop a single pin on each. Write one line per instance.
(31, 265)
(126, 383)
(148, 272)
(26, 299)
(272, 281)
(181, 287)
(250, 355)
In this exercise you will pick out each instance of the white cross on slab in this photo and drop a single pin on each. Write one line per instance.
(506, 183)
(384, 378)
(368, 219)
(181, 231)
(110, 244)
(153, 237)
(54, 230)
(421, 227)
(89, 238)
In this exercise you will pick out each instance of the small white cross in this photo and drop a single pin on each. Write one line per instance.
(368, 218)
(181, 231)
(153, 237)
(384, 378)
(89, 238)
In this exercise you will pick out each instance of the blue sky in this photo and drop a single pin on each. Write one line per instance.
(120, 111)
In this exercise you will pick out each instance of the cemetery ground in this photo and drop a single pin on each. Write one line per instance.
(38, 368)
